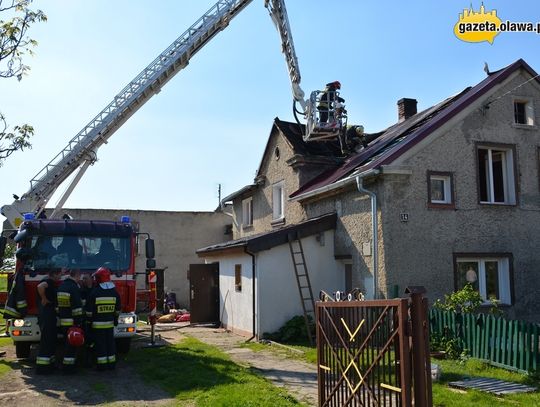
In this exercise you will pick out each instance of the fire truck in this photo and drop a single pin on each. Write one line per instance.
(45, 243)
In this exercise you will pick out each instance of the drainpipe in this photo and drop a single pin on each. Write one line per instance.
(374, 231)
(254, 333)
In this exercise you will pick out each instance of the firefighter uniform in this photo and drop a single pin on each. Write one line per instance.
(102, 310)
(70, 313)
(45, 360)
(16, 306)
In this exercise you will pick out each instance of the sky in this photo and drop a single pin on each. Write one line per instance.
(209, 124)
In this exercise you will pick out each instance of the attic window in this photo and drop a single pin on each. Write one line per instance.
(247, 212)
(277, 153)
(523, 112)
(277, 201)
(440, 190)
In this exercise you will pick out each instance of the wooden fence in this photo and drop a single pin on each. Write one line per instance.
(374, 353)
(509, 344)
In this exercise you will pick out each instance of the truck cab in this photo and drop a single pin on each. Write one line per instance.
(43, 244)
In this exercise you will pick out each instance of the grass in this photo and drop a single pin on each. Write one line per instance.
(104, 389)
(455, 370)
(3, 282)
(443, 395)
(199, 374)
(2, 325)
(6, 341)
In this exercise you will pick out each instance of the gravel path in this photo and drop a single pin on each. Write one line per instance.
(297, 377)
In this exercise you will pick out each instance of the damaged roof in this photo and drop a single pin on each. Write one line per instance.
(400, 137)
(265, 241)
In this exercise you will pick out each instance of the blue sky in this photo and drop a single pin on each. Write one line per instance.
(209, 125)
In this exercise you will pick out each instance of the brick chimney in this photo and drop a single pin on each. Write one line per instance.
(406, 108)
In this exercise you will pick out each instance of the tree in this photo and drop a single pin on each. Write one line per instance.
(7, 262)
(14, 45)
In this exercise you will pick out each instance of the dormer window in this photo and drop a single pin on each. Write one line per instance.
(523, 112)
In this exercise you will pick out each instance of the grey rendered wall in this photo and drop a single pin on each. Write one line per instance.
(274, 170)
(177, 236)
(353, 232)
(420, 251)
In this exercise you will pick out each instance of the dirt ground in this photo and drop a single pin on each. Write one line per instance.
(22, 387)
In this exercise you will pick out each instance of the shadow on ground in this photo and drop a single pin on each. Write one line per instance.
(21, 386)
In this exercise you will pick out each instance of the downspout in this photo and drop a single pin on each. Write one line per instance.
(374, 226)
(253, 286)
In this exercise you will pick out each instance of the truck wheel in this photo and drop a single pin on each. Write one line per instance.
(22, 349)
(123, 345)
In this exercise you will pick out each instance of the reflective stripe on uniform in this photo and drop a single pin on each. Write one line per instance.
(102, 324)
(42, 360)
(89, 314)
(102, 360)
(68, 361)
(63, 299)
(76, 312)
(83, 302)
(105, 300)
(21, 304)
(66, 321)
(11, 311)
(112, 359)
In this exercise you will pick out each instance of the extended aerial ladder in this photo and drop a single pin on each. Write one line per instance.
(81, 151)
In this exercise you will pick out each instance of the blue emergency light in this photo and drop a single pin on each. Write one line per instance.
(125, 219)
(29, 216)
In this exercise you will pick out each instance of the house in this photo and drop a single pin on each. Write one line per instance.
(445, 196)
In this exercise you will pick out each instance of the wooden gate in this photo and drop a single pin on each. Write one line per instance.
(373, 353)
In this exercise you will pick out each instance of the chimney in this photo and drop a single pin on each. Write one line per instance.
(406, 108)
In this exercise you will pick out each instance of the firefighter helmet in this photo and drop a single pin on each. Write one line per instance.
(337, 84)
(75, 336)
(102, 275)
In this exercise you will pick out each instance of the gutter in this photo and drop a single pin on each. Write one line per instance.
(253, 286)
(324, 189)
(374, 231)
(338, 184)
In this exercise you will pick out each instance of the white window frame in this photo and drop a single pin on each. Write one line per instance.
(247, 212)
(509, 179)
(529, 111)
(503, 268)
(278, 200)
(447, 184)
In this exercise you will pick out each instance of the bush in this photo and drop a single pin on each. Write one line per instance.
(465, 300)
(294, 331)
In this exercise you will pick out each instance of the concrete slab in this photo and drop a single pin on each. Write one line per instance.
(494, 386)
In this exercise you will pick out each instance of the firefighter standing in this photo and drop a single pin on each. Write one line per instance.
(102, 310)
(327, 98)
(47, 322)
(70, 312)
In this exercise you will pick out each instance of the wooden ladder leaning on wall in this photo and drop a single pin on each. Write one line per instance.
(302, 280)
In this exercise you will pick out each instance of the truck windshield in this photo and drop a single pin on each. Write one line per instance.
(83, 252)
